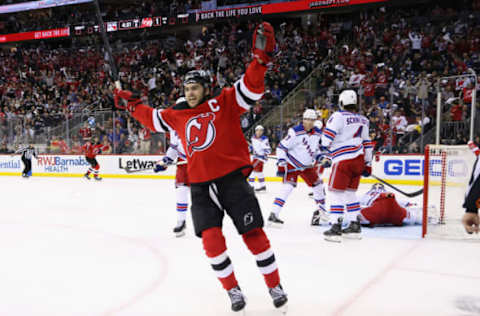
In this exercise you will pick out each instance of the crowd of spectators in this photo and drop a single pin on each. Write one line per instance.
(391, 57)
(41, 87)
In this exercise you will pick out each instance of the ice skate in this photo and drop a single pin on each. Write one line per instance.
(97, 178)
(261, 189)
(319, 217)
(179, 230)
(237, 298)
(279, 298)
(335, 232)
(353, 231)
(274, 221)
(86, 176)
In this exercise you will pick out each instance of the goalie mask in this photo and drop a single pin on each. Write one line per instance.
(378, 187)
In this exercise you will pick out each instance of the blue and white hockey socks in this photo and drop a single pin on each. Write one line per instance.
(282, 196)
(182, 193)
(337, 205)
(319, 196)
(352, 204)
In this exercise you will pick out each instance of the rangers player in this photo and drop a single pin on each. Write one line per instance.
(346, 137)
(297, 155)
(182, 187)
(260, 150)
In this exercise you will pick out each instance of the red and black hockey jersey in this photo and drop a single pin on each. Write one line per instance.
(211, 133)
(92, 150)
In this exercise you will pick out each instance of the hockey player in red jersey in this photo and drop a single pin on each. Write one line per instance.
(219, 162)
(380, 207)
(91, 149)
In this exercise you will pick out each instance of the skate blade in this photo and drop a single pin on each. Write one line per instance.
(180, 234)
(241, 312)
(353, 236)
(333, 238)
(275, 225)
(283, 309)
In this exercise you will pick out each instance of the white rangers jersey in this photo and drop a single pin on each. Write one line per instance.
(300, 148)
(260, 147)
(176, 148)
(346, 136)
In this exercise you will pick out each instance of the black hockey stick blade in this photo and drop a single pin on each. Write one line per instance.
(412, 194)
(129, 170)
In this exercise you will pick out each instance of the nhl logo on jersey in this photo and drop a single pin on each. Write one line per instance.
(248, 219)
(200, 132)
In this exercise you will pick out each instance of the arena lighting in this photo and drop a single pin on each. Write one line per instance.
(35, 5)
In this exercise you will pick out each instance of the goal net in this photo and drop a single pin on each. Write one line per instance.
(447, 170)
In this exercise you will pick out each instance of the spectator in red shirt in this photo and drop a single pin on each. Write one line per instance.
(456, 112)
(85, 132)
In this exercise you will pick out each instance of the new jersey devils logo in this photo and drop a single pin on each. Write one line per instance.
(200, 132)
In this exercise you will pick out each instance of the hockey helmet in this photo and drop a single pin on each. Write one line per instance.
(259, 128)
(378, 187)
(197, 76)
(347, 97)
(310, 114)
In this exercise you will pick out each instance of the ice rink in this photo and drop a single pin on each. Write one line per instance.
(71, 247)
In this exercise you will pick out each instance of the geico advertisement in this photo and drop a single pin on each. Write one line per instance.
(412, 167)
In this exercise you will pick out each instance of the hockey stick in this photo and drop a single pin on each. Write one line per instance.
(413, 194)
(130, 170)
(106, 44)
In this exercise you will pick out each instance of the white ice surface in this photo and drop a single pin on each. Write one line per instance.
(70, 247)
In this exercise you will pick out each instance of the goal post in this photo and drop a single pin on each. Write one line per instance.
(447, 170)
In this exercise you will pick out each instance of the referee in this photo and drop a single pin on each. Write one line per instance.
(27, 153)
(471, 220)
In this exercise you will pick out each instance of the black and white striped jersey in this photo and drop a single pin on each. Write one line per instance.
(27, 152)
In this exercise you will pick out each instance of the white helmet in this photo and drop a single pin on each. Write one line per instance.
(259, 127)
(347, 97)
(310, 114)
(318, 124)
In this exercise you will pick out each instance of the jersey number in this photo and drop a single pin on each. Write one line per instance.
(358, 133)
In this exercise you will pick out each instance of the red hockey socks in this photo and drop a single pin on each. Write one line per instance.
(259, 245)
(216, 250)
